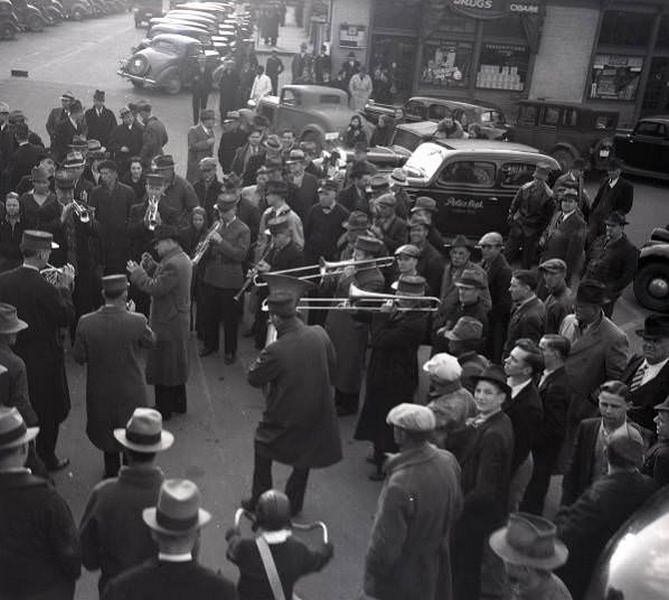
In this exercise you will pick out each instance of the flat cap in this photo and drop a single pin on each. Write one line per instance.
(526, 277)
(207, 164)
(553, 265)
(412, 417)
(424, 203)
(328, 184)
(492, 238)
(387, 199)
(408, 250)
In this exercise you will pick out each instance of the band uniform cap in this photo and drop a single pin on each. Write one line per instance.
(444, 366)
(279, 188)
(466, 328)
(164, 161)
(492, 238)
(357, 220)
(591, 291)
(411, 285)
(418, 221)
(282, 303)
(663, 406)
(64, 180)
(461, 241)
(124, 110)
(178, 508)
(165, 232)
(412, 417)
(39, 174)
(408, 250)
(9, 321)
(207, 164)
(207, 113)
(144, 430)
(386, 199)
(616, 218)
(285, 283)
(494, 374)
(328, 184)
(33, 239)
(379, 182)
(108, 164)
(154, 179)
(655, 327)
(278, 225)
(74, 159)
(424, 203)
(398, 176)
(114, 283)
(99, 95)
(531, 541)
(369, 244)
(553, 265)
(272, 142)
(67, 96)
(526, 277)
(296, 156)
(471, 278)
(13, 430)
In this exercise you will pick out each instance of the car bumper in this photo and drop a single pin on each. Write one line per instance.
(146, 81)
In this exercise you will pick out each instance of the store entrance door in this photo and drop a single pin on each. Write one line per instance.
(656, 98)
(392, 67)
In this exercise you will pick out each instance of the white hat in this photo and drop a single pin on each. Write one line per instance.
(412, 417)
(444, 366)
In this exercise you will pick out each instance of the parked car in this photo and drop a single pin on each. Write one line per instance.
(145, 10)
(645, 149)
(490, 118)
(472, 181)
(651, 282)
(29, 16)
(168, 63)
(76, 10)
(9, 22)
(182, 29)
(566, 131)
(311, 111)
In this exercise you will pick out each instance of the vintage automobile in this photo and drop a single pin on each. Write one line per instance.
(29, 16)
(566, 131)
(490, 118)
(472, 181)
(76, 10)
(311, 111)
(651, 282)
(167, 63)
(9, 23)
(645, 149)
(145, 10)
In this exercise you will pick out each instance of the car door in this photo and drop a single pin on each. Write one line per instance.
(644, 144)
(290, 113)
(467, 202)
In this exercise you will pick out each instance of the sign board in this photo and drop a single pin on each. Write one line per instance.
(352, 36)
(495, 9)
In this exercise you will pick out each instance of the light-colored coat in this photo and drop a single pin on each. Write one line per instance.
(361, 88)
(198, 148)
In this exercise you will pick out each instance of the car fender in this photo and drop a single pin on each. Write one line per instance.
(654, 252)
(566, 146)
(166, 71)
(313, 128)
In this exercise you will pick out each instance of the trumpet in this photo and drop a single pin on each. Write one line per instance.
(81, 210)
(152, 211)
(203, 246)
(56, 276)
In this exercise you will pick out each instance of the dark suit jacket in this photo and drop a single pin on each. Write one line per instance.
(526, 413)
(207, 199)
(558, 305)
(499, 279)
(100, 128)
(620, 199)
(579, 475)
(65, 131)
(245, 167)
(431, 266)
(131, 138)
(565, 239)
(612, 263)
(656, 464)
(646, 396)
(351, 200)
(527, 321)
(395, 233)
(304, 197)
(555, 395)
(21, 163)
(169, 581)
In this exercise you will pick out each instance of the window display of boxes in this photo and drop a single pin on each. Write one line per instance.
(499, 78)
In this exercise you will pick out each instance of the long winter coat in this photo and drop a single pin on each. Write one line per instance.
(198, 148)
(109, 341)
(169, 288)
(299, 425)
(409, 552)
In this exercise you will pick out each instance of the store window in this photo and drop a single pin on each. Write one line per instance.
(396, 15)
(615, 77)
(446, 64)
(626, 28)
(503, 67)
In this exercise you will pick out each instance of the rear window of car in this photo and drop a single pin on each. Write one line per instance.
(527, 115)
(165, 47)
(516, 174)
(471, 172)
(329, 99)
(650, 128)
(436, 112)
(415, 109)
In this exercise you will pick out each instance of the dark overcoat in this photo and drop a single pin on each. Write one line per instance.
(128, 137)
(565, 239)
(109, 342)
(169, 288)
(613, 263)
(299, 425)
(46, 309)
(526, 413)
(527, 321)
(409, 551)
(100, 127)
(646, 396)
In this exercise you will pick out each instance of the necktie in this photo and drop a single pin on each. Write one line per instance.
(638, 376)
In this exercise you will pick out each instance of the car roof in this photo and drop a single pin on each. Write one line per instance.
(486, 146)
(313, 89)
(567, 105)
(458, 103)
(419, 128)
(659, 118)
(175, 38)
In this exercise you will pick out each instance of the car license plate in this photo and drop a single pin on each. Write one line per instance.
(604, 153)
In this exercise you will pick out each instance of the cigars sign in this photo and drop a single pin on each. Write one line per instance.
(495, 9)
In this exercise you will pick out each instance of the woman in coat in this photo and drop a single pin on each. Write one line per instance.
(392, 374)
(355, 133)
(361, 88)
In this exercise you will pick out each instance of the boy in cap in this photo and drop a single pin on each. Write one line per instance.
(409, 555)
(175, 523)
(324, 224)
(109, 342)
(100, 121)
(113, 537)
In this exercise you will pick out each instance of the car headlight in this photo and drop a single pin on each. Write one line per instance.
(136, 65)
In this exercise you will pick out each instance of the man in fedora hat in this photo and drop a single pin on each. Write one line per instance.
(299, 425)
(409, 550)
(168, 282)
(154, 135)
(100, 121)
(58, 114)
(201, 141)
(41, 557)
(324, 224)
(614, 194)
(125, 140)
(251, 152)
(113, 536)
(178, 193)
(612, 259)
(528, 317)
(46, 309)
(531, 551)
(304, 188)
(175, 523)
(25, 157)
(109, 342)
(67, 128)
(656, 462)
(591, 521)
(276, 194)
(648, 374)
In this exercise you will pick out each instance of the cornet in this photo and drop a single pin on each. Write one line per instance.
(82, 212)
(57, 276)
(152, 211)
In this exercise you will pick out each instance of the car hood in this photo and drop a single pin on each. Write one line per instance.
(337, 119)
(154, 58)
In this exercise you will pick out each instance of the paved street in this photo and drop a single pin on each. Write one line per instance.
(214, 440)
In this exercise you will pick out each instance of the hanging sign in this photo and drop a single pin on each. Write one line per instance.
(495, 9)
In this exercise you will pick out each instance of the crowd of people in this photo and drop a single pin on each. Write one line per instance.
(103, 243)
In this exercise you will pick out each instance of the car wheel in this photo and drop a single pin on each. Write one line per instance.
(35, 23)
(77, 14)
(651, 286)
(564, 157)
(172, 84)
(7, 32)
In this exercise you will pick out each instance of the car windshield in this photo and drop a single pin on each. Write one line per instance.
(491, 117)
(165, 47)
(406, 139)
(426, 160)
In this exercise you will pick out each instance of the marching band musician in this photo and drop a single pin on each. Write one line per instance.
(349, 336)
(283, 253)
(75, 164)
(387, 226)
(191, 237)
(276, 194)
(392, 373)
(406, 257)
(46, 309)
(224, 276)
(168, 282)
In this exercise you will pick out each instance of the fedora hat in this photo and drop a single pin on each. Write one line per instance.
(273, 142)
(411, 285)
(461, 241)
(466, 328)
(530, 541)
(398, 176)
(356, 220)
(178, 508)
(471, 278)
(494, 374)
(13, 430)
(591, 291)
(424, 203)
(144, 432)
(9, 321)
(654, 327)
